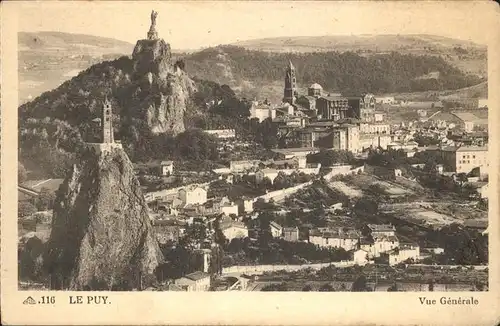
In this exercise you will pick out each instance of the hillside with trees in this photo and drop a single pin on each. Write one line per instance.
(346, 72)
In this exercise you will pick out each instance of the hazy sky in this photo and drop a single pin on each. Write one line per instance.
(190, 25)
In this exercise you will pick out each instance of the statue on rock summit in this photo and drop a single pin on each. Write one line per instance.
(153, 34)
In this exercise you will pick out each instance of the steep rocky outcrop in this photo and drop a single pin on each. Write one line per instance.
(101, 237)
(165, 107)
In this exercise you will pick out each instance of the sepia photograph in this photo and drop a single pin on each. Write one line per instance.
(301, 160)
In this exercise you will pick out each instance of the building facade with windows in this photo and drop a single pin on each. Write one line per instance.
(464, 159)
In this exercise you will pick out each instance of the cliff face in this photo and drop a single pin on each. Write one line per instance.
(101, 238)
(168, 88)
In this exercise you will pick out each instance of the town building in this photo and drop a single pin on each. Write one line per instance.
(245, 205)
(276, 229)
(482, 103)
(308, 104)
(401, 254)
(482, 188)
(346, 137)
(332, 107)
(341, 238)
(367, 141)
(197, 281)
(241, 166)
(233, 229)
(193, 195)
(271, 174)
(262, 111)
(460, 120)
(374, 128)
(291, 234)
(166, 168)
(229, 209)
(360, 257)
(385, 99)
(379, 244)
(464, 159)
(377, 230)
(167, 230)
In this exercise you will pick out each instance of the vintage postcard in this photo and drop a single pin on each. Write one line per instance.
(192, 162)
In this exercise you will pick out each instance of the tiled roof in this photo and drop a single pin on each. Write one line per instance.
(196, 276)
(333, 98)
(336, 234)
(228, 224)
(381, 227)
(472, 149)
(276, 225)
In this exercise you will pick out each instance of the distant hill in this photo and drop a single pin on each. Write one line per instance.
(55, 41)
(47, 59)
(260, 74)
(473, 92)
(369, 43)
(468, 56)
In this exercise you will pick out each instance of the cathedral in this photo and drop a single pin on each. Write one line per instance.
(325, 106)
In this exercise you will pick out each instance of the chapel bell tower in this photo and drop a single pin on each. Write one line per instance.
(107, 122)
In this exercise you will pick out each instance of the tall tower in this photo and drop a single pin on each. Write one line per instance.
(290, 93)
(107, 123)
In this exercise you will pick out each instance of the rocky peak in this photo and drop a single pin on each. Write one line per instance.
(165, 107)
(102, 238)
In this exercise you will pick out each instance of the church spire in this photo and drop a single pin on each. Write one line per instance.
(290, 92)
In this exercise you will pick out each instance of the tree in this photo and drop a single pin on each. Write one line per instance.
(22, 174)
(45, 199)
(26, 209)
(265, 236)
(275, 287)
(360, 284)
(220, 238)
(431, 286)
(327, 287)
(366, 206)
(307, 288)
(393, 288)
(267, 134)
(196, 145)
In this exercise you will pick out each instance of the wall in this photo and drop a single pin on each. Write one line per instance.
(259, 269)
(342, 170)
(99, 148)
(281, 194)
